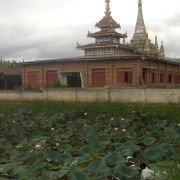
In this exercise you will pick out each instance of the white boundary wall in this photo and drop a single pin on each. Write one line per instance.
(123, 94)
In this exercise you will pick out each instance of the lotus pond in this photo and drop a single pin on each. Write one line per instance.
(86, 142)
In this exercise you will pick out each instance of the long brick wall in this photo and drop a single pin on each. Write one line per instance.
(151, 69)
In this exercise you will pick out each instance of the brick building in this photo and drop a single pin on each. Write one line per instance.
(108, 61)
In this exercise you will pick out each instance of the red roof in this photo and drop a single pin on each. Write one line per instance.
(103, 32)
(107, 21)
(8, 71)
(104, 43)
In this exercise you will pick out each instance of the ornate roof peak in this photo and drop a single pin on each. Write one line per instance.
(107, 11)
(107, 20)
(140, 26)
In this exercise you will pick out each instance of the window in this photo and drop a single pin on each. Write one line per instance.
(32, 78)
(51, 76)
(169, 78)
(99, 50)
(126, 78)
(176, 79)
(72, 79)
(153, 77)
(161, 77)
(99, 77)
(106, 38)
(124, 75)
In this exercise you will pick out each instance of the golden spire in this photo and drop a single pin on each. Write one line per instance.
(107, 12)
(140, 26)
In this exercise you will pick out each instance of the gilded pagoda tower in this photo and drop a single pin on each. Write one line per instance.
(141, 40)
(107, 41)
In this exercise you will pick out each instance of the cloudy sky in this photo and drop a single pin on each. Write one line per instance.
(46, 29)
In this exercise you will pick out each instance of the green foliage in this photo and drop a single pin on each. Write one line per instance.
(30, 87)
(12, 64)
(69, 144)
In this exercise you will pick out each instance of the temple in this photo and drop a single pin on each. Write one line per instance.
(107, 40)
(108, 61)
(141, 40)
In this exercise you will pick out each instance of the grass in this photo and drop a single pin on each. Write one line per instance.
(161, 111)
(169, 111)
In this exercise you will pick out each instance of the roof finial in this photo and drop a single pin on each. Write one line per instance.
(156, 43)
(140, 26)
(161, 52)
(107, 12)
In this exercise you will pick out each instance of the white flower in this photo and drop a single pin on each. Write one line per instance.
(147, 173)
(178, 124)
(38, 146)
(112, 119)
(85, 114)
(19, 146)
(123, 130)
(57, 144)
(116, 129)
(52, 129)
(122, 119)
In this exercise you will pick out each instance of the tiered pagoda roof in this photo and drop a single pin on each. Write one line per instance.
(107, 36)
(107, 21)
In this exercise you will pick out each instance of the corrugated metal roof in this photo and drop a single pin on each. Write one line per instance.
(98, 58)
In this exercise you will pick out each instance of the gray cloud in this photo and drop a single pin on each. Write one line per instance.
(46, 29)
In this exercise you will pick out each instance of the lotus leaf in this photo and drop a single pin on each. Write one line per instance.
(153, 128)
(123, 172)
(123, 134)
(114, 158)
(162, 123)
(166, 148)
(24, 111)
(153, 154)
(75, 174)
(124, 151)
(100, 116)
(3, 143)
(85, 158)
(144, 112)
(59, 116)
(65, 148)
(53, 156)
(149, 141)
(96, 165)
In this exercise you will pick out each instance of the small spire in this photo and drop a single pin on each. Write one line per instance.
(89, 32)
(162, 46)
(161, 52)
(107, 11)
(156, 43)
(78, 45)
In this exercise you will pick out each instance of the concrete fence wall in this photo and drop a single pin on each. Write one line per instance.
(124, 94)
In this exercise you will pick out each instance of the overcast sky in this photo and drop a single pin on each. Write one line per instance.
(47, 29)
